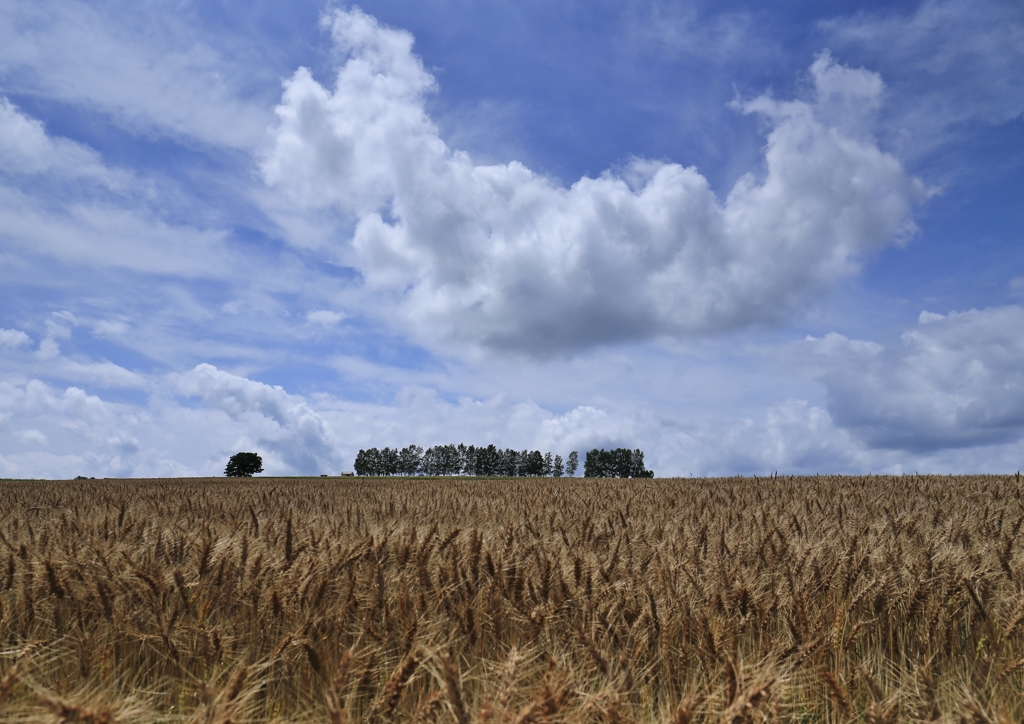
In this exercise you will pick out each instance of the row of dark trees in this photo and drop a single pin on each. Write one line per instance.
(463, 460)
(492, 461)
(618, 463)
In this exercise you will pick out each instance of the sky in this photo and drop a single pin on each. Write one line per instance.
(743, 238)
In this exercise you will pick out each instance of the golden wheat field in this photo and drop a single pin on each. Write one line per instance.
(824, 599)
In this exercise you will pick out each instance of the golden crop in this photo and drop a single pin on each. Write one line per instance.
(825, 599)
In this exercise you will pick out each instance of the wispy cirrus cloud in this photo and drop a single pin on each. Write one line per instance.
(950, 62)
(146, 69)
(26, 148)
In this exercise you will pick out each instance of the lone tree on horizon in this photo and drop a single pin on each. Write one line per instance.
(244, 465)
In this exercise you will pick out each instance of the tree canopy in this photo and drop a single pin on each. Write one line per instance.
(491, 461)
(618, 463)
(458, 460)
(244, 465)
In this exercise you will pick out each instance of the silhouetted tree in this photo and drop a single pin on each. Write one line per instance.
(410, 459)
(430, 456)
(572, 464)
(388, 461)
(488, 461)
(531, 464)
(638, 470)
(509, 463)
(450, 461)
(618, 463)
(368, 462)
(244, 465)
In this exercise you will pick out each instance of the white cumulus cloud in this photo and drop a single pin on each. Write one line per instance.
(13, 338)
(956, 381)
(501, 257)
(273, 419)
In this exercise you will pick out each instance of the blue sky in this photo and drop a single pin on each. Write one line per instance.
(743, 240)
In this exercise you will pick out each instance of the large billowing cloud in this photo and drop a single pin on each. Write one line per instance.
(955, 381)
(273, 420)
(503, 258)
(190, 424)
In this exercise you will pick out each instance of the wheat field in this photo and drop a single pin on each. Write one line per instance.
(814, 599)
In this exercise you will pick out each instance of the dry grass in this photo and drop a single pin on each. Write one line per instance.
(826, 599)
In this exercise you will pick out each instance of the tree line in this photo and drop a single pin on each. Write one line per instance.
(492, 461)
(618, 463)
